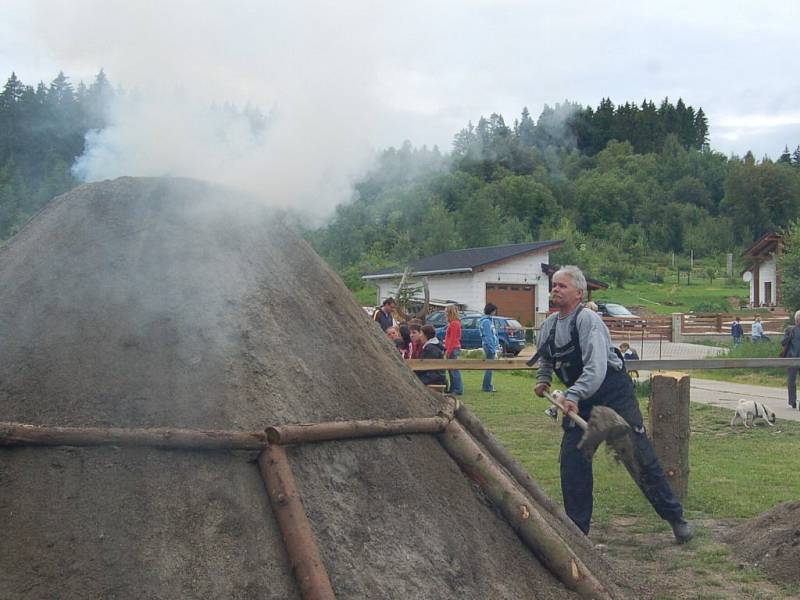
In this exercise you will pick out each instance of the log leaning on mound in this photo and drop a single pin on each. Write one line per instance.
(521, 514)
(499, 452)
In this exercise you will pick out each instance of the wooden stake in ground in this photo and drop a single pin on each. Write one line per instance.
(298, 537)
(518, 510)
(669, 427)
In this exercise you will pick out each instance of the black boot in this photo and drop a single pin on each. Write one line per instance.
(682, 531)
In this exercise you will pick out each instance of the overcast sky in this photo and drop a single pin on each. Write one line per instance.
(357, 76)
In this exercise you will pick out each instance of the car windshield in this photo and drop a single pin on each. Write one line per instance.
(617, 310)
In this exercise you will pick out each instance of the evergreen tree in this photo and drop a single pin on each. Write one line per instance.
(700, 129)
(785, 158)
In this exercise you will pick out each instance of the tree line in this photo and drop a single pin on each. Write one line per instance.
(42, 132)
(619, 184)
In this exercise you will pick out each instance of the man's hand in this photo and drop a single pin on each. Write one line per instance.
(569, 406)
(541, 388)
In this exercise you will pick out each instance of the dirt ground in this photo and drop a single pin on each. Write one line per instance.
(709, 567)
(165, 302)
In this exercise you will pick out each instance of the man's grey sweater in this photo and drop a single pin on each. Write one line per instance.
(597, 351)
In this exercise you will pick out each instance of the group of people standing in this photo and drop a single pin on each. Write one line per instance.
(756, 332)
(414, 339)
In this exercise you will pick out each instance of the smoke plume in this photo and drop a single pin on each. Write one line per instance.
(307, 67)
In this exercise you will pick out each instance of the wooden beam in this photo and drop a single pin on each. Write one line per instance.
(19, 434)
(298, 537)
(554, 552)
(466, 364)
(679, 364)
(499, 452)
(340, 430)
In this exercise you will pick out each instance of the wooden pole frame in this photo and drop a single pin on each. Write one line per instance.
(340, 430)
(21, 434)
(298, 537)
(521, 514)
(499, 452)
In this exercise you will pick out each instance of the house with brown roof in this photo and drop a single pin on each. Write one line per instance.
(763, 274)
(515, 277)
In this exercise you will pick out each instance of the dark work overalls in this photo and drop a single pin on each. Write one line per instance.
(617, 393)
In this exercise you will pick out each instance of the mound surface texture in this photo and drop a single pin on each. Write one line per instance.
(156, 303)
(771, 541)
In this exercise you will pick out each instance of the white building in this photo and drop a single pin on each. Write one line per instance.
(516, 278)
(763, 274)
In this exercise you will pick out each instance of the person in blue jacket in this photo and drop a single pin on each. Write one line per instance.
(737, 331)
(489, 342)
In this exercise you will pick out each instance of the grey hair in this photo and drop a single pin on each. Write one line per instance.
(574, 273)
(797, 317)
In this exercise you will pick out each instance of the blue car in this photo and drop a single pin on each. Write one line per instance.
(509, 332)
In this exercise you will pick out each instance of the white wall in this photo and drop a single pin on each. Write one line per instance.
(470, 288)
(767, 273)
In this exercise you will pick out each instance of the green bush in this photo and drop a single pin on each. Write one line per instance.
(712, 306)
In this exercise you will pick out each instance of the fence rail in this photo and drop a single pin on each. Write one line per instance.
(682, 364)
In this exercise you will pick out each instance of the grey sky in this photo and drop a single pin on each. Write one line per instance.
(354, 77)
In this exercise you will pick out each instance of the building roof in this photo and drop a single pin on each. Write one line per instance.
(592, 284)
(763, 246)
(464, 261)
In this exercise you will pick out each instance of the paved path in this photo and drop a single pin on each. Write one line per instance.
(726, 395)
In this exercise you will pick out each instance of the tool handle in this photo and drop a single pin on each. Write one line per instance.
(579, 420)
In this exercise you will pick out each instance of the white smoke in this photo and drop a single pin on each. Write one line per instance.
(308, 65)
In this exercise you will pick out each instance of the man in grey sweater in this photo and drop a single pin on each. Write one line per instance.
(576, 345)
(791, 345)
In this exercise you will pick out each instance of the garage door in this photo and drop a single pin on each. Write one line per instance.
(513, 300)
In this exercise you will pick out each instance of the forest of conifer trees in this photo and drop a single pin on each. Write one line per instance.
(618, 182)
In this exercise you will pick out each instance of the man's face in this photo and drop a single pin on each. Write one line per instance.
(387, 308)
(564, 293)
(416, 336)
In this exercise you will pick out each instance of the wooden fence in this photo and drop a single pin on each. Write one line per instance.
(678, 364)
(721, 322)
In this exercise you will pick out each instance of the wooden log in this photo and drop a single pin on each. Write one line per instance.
(340, 430)
(515, 364)
(19, 434)
(669, 427)
(524, 518)
(499, 452)
(298, 537)
(467, 364)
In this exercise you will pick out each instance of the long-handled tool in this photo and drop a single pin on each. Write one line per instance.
(604, 425)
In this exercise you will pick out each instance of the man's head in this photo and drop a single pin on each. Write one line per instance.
(569, 286)
(738, 319)
(388, 305)
(797, 317)
(415, 330)
(624, 346)
(489, 309)
(428, 332)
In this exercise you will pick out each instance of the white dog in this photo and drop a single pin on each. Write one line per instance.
(750, 410)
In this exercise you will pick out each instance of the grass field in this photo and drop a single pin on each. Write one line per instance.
(734, 473)
(767, 377)
(670, 297)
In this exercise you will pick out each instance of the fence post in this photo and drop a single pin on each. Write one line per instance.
(669, 427)
(677, 327)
